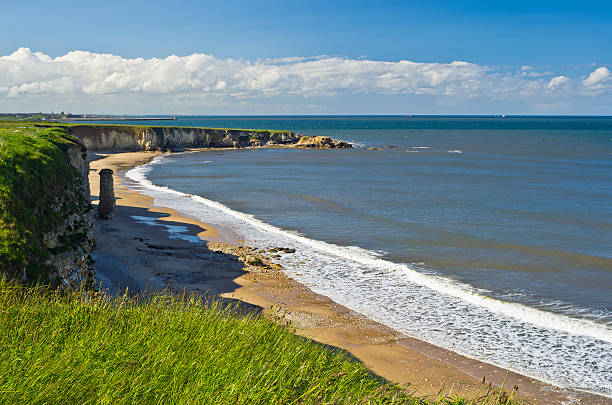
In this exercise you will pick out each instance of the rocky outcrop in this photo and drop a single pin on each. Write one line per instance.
(106, 206)
(70, 242)
(125, 137)
(71, 245)
(321, 142)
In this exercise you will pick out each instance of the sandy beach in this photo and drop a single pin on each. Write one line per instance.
(147, 247)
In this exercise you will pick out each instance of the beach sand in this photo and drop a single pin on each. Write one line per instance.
(147, 248)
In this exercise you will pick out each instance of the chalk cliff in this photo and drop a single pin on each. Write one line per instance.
(70, 242)
(321, 142)
(126, 137)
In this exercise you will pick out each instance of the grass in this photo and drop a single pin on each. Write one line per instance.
(15, 117)
(36, 181)
(127, 126)
(84, 347)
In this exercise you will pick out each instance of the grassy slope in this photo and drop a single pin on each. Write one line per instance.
(33, 170)
(87, 348)
(63, 349)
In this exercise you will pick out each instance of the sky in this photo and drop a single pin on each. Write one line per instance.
(307, 57)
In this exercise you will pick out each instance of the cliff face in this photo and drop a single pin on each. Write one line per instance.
(105, 137)
(321, 142)
(45, 215)
(71, 241)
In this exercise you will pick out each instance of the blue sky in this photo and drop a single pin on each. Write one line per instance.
(536, 40)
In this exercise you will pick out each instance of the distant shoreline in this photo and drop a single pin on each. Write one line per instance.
(121, 119)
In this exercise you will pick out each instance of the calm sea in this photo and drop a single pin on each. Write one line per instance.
(488, 236)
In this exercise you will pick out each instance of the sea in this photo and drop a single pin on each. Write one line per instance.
(488, 236)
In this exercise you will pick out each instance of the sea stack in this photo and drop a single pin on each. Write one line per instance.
(106, 207)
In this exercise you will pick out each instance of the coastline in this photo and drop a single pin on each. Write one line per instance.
(150, 254)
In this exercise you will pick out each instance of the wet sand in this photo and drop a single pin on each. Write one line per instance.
(147, 247)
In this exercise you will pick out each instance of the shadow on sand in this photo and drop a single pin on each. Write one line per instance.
(141, 253)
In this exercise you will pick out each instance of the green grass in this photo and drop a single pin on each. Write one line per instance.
(14, 117)
(34, 171)
(84, 347)
(127, 126)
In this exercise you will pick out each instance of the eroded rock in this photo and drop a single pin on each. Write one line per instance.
(321, 142)
(106, 207)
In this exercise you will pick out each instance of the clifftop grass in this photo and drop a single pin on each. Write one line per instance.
(34, 171)
(85, 347)
(43, 124)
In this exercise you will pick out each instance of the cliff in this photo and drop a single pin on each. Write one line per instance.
(45, 214)
(128, 137)
(46, 217)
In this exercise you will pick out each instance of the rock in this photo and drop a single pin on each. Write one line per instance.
(283, 138)
(254, 261)
(321, 142)
(106, 207)
(228, 142)
(70, 241)
(125, 137)
(281, 249)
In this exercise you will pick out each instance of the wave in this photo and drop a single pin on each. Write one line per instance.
(370, 258)
(440, 310)
(356, 144)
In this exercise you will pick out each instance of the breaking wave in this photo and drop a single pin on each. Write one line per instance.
(559, 349)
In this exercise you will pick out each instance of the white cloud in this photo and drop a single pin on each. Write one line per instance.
(558, 81)
(533, 73)
(597, 77)
(80, 74)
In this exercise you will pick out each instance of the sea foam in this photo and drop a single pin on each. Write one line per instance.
(559, 349)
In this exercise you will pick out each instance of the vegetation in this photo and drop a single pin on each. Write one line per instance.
(34, 171)
(40, 116)
(120, 127)
(21, 117)
(84, 347)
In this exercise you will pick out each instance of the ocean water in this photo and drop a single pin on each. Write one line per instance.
(488, 236)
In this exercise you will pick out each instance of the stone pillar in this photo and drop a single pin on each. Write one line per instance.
(106, 207)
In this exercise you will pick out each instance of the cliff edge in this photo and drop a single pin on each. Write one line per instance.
(46, 217)
(143, 138)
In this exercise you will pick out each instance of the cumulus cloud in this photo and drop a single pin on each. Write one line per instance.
(25, 73)
(558, 81)
(597, 77)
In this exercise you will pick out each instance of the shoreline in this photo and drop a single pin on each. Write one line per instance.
(152, 253)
